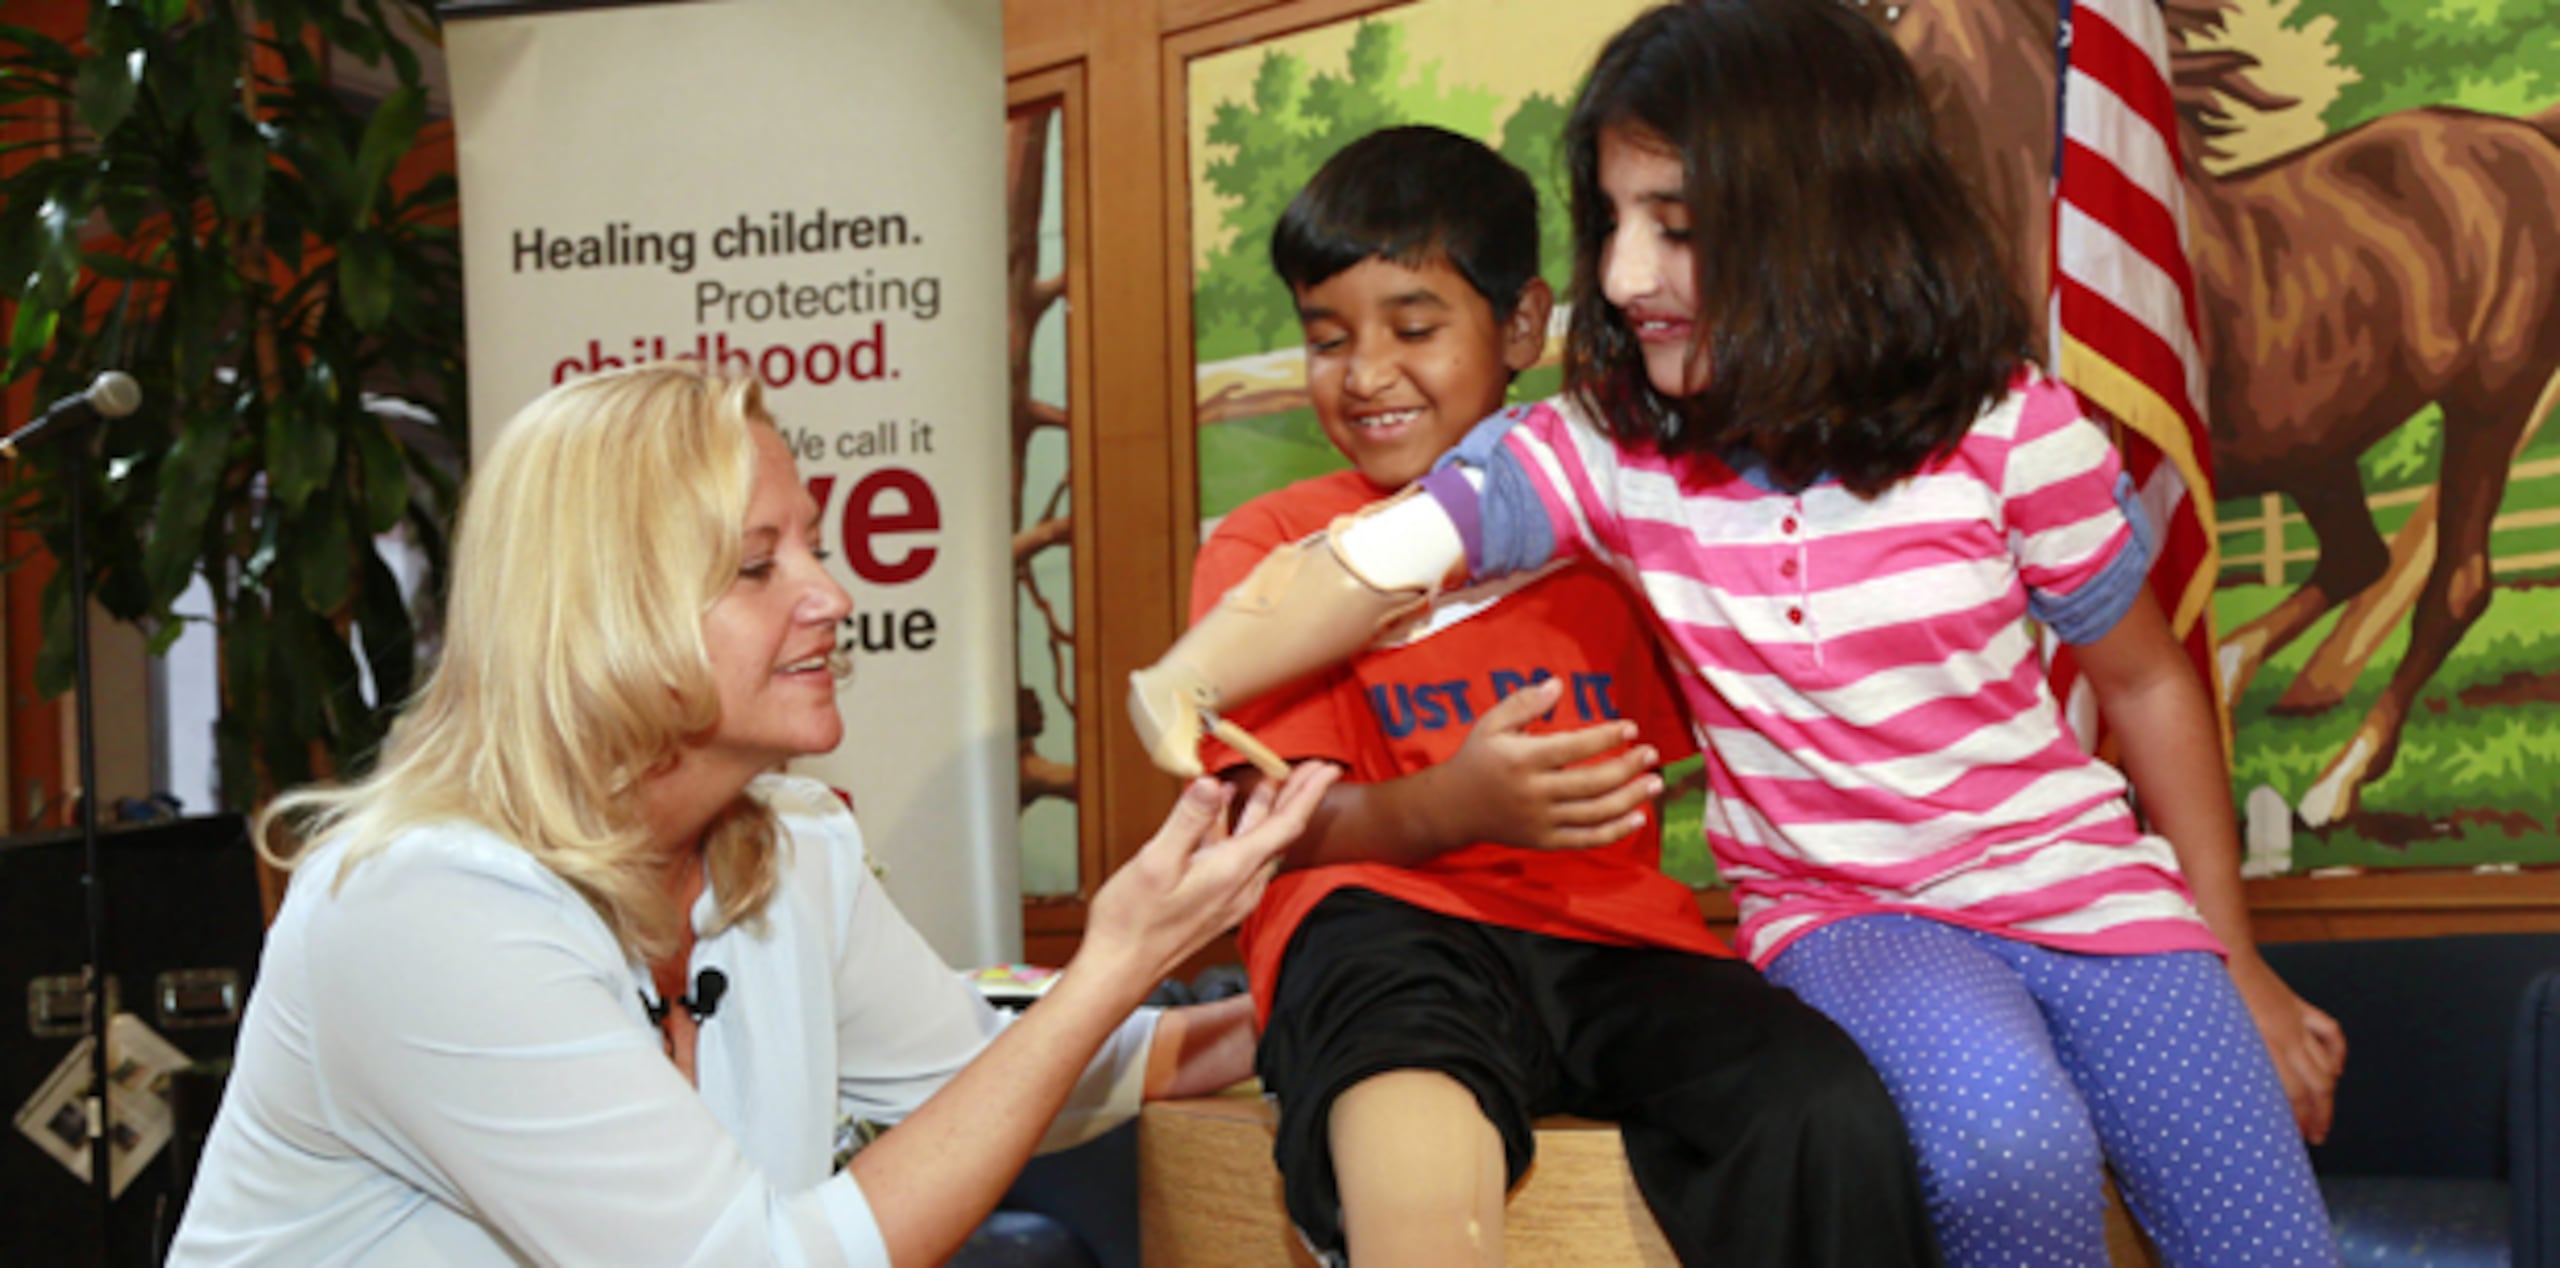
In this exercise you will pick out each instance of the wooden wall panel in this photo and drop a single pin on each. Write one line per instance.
(1133, 475)
(1043, 35)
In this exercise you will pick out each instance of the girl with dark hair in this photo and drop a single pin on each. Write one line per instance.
(1801, 421)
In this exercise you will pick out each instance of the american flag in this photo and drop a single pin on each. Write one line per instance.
(2123, 305)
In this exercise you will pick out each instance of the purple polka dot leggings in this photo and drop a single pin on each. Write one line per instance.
(2018, 1068)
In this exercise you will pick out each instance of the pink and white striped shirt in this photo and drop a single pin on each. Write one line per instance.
(1863, 673)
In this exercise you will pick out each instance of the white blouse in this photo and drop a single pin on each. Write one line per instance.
(446, 1061)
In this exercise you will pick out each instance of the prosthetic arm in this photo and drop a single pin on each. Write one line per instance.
(1307, 606)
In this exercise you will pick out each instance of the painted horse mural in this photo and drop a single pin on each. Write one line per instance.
(2341, 288)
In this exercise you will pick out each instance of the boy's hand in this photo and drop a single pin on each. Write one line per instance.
(1510, 787)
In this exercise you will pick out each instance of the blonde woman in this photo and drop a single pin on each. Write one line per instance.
(575, 976)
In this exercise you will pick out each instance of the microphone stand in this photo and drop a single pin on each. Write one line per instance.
(92, 855)
(112, 395)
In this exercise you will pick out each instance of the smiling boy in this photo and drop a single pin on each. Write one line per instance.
(1475, 929)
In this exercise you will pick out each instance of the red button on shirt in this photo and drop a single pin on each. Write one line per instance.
(1795, 615)
(1789, 526)
(1786, 567)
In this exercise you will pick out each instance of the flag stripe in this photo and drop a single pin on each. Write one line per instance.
(2104, 51)
(2114, 272)
(2105, 200)
(2123, 296)
(2147, 389)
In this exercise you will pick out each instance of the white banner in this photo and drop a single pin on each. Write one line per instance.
(812, 190)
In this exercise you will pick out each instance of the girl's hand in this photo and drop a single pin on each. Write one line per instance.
(2309, 1047)
(1545, 791)
(1194, 879)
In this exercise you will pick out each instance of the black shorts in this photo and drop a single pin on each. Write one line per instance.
(1686, 1052)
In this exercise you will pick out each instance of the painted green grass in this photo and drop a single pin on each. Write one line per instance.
(1684, 833)
(2406, 459)
(2471, 782)
(1247, 457)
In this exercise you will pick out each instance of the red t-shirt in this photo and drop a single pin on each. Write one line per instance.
(1396, 710)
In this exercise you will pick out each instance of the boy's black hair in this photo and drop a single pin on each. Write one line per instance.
(1406, 195)
(1852, 303)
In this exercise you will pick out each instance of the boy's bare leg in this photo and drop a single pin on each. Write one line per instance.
(1420, 1171)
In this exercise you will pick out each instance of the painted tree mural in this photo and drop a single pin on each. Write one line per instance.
(1043, 521)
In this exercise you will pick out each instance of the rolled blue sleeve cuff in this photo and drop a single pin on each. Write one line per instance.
(1504, 525)
(2086, 614)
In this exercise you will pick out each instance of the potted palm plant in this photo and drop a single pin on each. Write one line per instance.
(191, 192)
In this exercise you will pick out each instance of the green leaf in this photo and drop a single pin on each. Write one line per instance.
(126, 208)
(385, 475)
(54, 652)
(364, 279)
(114, 29)
(235, 756)
(404, 59)
(258, 567)
(57, 263)
(200, 308)
(164, 635)
(42, 51)
(352, 35)
(287, 17)
(245, 636)
(328, 175)
(120, 268)
(118, 589)
(163, 14)
(236, 166)
(213, 55)
(284, 745)
(302, 447)
(300, 66)
(27, 194)
(105, 89)
(321, 543)
(34, 329)
(190, 478)
(291, 663)
(393, 129)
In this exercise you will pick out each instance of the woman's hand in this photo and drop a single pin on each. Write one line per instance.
(931, 1181)
(1546, 791)
(1194, 879)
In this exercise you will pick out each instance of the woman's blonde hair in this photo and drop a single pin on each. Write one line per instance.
(594, 536)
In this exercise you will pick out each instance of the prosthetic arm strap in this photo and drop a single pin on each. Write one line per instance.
(1406, 543)
(1478, 504)
(1493, 500)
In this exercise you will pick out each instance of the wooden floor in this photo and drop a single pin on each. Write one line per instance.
(1208, 1195)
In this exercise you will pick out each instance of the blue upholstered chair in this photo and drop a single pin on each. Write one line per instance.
(1077, 1208)
(2446, 1147)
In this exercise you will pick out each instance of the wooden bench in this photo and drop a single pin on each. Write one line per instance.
(1208, 1195)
